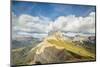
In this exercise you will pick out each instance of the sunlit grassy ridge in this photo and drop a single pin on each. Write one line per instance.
(70, 46)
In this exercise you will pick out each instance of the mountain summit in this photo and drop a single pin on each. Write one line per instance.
(56, 49)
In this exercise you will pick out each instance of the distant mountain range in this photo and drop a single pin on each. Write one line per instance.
(41, 36)
(24, 41)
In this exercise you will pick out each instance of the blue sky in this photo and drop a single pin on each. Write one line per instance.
(50, 10)
(38, 19)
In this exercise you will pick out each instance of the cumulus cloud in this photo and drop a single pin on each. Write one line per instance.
(32, 24)
(75, 24)
(29, 25)
(39, 24)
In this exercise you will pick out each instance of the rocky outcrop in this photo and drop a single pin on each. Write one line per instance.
(52, 55)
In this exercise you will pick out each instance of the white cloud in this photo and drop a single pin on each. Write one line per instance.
(30, 23)
(75, 24)
(40, 24)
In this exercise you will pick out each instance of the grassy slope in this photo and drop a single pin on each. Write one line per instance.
(71, 47)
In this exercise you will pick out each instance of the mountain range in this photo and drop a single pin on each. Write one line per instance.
(56, 48)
